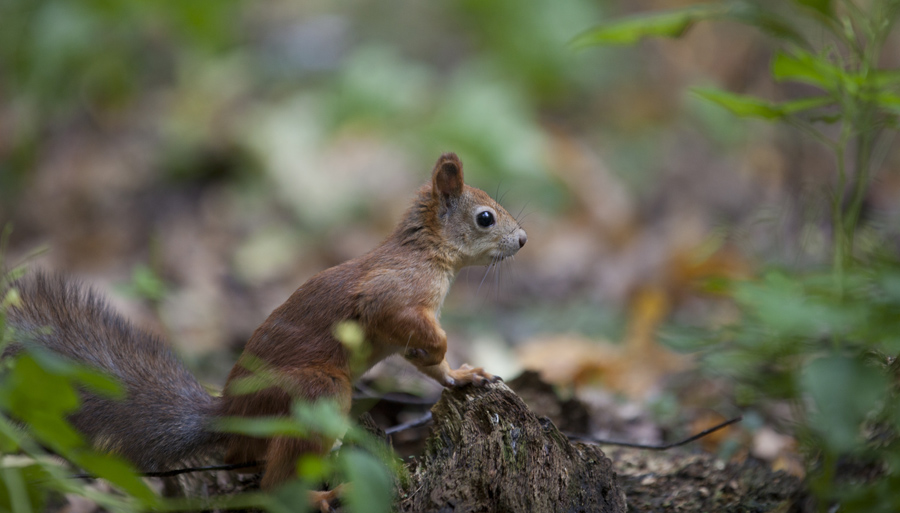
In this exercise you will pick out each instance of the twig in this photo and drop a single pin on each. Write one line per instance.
(421, 421)
(177, 471)
(699, 435)
(368, 393)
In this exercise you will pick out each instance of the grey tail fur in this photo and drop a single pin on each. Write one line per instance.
(165, 416)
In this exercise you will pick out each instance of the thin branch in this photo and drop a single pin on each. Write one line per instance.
(421, 421)
(699, 435)
(391, 397)
(177, 471)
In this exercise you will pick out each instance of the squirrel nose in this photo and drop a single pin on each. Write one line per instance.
(523, 238)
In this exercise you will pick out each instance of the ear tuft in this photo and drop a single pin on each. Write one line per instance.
(447, 179)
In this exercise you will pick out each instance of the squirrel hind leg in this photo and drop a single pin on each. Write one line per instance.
(325, 500)
(249, 450)
(282, 455)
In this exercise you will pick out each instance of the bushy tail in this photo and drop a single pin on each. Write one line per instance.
(165, 415)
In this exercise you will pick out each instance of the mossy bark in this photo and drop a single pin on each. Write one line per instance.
(489, 453)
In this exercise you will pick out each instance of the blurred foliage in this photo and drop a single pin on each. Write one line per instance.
(58, 55)
(61, 61)
(825, 340)
(39, 390)
(145, 284)
(207, 75)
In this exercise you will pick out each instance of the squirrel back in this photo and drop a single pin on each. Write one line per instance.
(164, 415)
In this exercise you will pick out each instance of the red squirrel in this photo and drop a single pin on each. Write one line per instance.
(393, 292)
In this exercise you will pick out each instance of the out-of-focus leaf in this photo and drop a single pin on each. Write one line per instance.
(787, 309)
(323, 417)
(529, 42)
(42, 400)
(289, 498)
(146, 284)
(261, 426)
(887, 78)
(16, 495)
(801, 67)
(117, 472)
(752, 107)
(890, 286)
(823, 7)
(489, 119)
(794, 106)
(844, 391)
(879, 496)
(807, 68)
(631, 29)
(371, 482)
(745, 106)
(314, 468)
(98, 382)
(890, 101)
(10, 437)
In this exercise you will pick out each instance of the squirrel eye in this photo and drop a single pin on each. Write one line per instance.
(484, 219)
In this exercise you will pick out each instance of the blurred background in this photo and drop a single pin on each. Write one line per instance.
(197, 161)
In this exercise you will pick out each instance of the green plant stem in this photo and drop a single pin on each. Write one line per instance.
(864, 124)
(863, 160)
(856, 20)
(838, 26)
(804, 126)
(825, 480)
(15, 486)
(837, 210)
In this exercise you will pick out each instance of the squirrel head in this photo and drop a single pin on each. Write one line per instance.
(472, 225)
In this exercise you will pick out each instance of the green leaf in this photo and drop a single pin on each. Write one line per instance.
(99, 382)
(890, 101)
(261, 427)
(744, 106)
(323, 417)
(631, 29)
(145, 283)
(788, 307)
(749, 106)
(794, 106)
(844, 392)
(291, 497)
(807, 68)
(116, 471)
(18, 491)
(41, 399)
(887, 78)
(371, 486)
(314, 467)
(823, 7)
(673, 23)
(9, 438)
(96, 380)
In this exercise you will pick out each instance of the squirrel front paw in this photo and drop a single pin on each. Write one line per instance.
(466, 374)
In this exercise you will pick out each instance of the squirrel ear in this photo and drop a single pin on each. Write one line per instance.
(447, 178)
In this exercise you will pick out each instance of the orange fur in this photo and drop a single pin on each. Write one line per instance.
(394, 292)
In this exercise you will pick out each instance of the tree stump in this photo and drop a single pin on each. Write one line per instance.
(489, 453)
